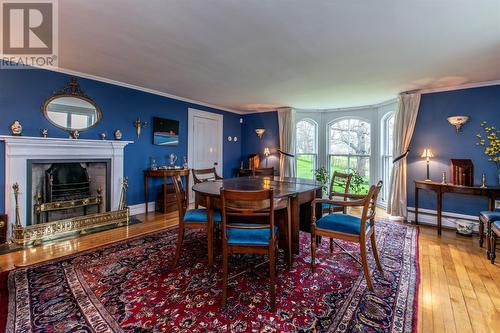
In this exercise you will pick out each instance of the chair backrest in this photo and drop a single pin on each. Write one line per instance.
(204, 175)
(248, 204)
(369, 208)
(264, 172)
(180, 196)
(340, 181)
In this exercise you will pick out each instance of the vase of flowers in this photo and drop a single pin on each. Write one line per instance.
(489, 139)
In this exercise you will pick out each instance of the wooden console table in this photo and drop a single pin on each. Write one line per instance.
(164, 174)
(490, 192)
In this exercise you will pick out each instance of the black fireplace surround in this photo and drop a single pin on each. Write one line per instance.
(65, 180)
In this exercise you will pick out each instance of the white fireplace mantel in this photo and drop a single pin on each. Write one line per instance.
(20, 149)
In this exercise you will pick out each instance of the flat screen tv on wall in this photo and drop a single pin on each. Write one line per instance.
(165, 132)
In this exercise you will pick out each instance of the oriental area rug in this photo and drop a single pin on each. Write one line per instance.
(131, 286)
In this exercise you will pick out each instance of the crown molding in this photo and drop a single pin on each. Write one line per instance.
(460, 87)
(139, 88)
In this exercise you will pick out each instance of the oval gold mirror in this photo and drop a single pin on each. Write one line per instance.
(70, 109)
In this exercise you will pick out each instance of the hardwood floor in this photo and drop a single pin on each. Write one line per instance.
(459, 288)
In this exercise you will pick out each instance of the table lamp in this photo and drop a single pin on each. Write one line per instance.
(267, 153)
(427, 154)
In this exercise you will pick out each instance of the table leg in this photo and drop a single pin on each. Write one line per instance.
(439, 210)
(416, 204)
(164, 194)
(210, 232)
(146, 200)
(491, 203)
(295, 221)
(188, 190)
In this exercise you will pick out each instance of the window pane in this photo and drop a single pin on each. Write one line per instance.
(349, 136)
(306, 137)
(340, 137)
(360, 134)
(339, 164)
(390, 132)
(360, 166)
(306, 166)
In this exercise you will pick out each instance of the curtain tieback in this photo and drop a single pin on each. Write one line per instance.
(286, 154)
(400, 157)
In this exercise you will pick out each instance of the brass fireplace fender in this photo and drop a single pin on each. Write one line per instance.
(45, 231)
(37, 233)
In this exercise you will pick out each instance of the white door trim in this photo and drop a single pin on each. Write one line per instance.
(220, 121)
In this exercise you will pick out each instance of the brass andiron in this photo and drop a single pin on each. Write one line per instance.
(123, 194)
(15, 187)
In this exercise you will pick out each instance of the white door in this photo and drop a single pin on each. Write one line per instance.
(205, 141)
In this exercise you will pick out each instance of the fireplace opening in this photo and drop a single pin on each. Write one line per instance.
(66, 181)
(65, 189)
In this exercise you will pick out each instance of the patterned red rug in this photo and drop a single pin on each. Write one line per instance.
(131, 287)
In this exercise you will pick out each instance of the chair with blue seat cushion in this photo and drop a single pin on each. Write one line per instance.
(341, 223)
(349, 227)
(339, 186)
(494, 235)
(194, 219)
(201, 215)
(256, 235)
(201, 176)
(244, 236)
(486, 218)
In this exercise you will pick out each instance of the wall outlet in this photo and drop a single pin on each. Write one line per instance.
(497, 204)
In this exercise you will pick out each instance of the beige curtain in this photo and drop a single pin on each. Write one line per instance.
(404, 124)
(286, 123)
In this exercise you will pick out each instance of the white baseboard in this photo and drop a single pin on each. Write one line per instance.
(448, 219)
(141, 208)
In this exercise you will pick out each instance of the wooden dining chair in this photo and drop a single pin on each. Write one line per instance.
(201, 176)
(342, 181)
(194, 219)
(264, 172)
(204, 175)
(348, 227)
(260, 237)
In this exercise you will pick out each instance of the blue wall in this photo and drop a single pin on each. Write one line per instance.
(433, 130)
(251, 142)
(23, 91)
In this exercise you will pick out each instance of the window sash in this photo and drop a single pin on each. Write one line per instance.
(314, 166)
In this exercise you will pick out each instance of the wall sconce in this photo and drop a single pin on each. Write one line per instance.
(458, 121)
(266, 153)
(260, 132)
(427, 154)
(138, 124)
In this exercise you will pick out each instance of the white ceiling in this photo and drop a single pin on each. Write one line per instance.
(257, 54)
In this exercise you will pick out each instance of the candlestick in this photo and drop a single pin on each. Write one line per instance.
(483, 180)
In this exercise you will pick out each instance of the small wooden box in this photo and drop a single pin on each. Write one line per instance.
(462, 172)
(3, 229)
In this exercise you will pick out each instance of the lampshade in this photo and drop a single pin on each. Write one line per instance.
(267, 152)
(427, 153)
(458, 121)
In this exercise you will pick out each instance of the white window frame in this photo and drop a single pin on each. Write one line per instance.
(386, 156)
(349, 156)
(315, 145)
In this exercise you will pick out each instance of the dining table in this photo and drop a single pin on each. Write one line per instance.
(297, 193)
